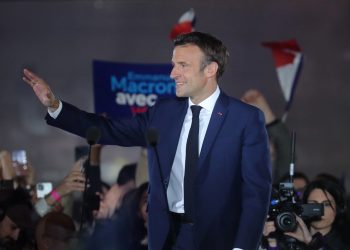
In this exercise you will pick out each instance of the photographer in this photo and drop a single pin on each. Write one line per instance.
(324, 233)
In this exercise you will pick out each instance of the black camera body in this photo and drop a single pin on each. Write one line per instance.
(284, 207)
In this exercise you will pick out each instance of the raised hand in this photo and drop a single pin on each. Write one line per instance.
(74, 181)
(104, 209)
(269, 227)
(41, 89)
(256, 98)
(7, 171)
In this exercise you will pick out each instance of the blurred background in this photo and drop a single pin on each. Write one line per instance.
(60, 39)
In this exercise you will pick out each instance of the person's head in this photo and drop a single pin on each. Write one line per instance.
(134, 209)
(198, 60)
(300, 180)
(331, 195)
(126, 175)
(9, 230)
(142, 198)
(54, 231)
(330, 177)
(15, 215)
(135, 202)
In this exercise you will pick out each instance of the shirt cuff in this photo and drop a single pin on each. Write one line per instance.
(55, 114)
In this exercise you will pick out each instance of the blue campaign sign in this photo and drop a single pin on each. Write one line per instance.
(125, 89)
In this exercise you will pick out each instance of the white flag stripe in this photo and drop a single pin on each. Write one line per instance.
(187, 16)
(286, 76)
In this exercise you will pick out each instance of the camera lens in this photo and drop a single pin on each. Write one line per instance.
(286, 222)
(40, 187)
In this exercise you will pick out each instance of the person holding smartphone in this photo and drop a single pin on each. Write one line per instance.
(74, 181)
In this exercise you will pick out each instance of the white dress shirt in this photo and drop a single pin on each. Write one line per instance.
(175, 191)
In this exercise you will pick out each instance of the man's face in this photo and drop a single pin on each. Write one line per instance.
(188, 73)
(8, 229)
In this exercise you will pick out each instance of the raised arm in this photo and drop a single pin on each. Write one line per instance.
(41, 89)
(255, 98)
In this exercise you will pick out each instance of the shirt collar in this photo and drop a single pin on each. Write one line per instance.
(209, 103)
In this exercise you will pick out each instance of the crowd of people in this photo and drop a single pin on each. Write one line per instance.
(120, 220)
(49, 222)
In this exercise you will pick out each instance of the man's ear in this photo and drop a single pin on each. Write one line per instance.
(211, 69)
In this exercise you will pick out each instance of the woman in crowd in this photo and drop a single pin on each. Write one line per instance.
(327, 232)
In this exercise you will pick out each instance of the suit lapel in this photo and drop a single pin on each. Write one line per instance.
(216, 120)
(175, 126)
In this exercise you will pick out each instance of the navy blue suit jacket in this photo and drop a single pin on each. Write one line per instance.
(233, 183)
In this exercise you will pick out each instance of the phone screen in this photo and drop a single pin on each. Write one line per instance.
(20, 162)
(43, 188)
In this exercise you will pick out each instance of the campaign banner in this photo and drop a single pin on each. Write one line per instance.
(125, 89)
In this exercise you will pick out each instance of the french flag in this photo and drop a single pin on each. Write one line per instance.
(185, 24)
(288, 59)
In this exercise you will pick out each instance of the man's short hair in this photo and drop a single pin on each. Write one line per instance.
(16, 205)
(126, 174)
(213, 49)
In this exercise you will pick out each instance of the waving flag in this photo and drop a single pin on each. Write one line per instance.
(185, 24)
(288, 62)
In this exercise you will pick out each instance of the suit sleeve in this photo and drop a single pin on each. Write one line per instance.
(256, 183)
(123, 132)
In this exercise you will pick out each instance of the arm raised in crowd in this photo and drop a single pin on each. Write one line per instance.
(7, 170)
(74, 181)
(255, 98)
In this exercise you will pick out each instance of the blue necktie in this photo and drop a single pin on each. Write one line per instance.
(191, 163)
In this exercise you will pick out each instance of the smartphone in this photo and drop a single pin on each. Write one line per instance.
(20, 162)
(43, 188)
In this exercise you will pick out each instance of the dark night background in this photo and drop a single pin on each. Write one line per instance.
(60, 39)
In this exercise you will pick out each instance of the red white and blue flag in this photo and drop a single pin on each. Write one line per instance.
(185, 24)
(288, 60)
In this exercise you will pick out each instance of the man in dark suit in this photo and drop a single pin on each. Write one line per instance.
(216, 199)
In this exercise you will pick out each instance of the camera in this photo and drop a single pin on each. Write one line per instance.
(284, 207)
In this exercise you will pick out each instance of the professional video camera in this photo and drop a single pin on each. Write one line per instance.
(284, 208)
